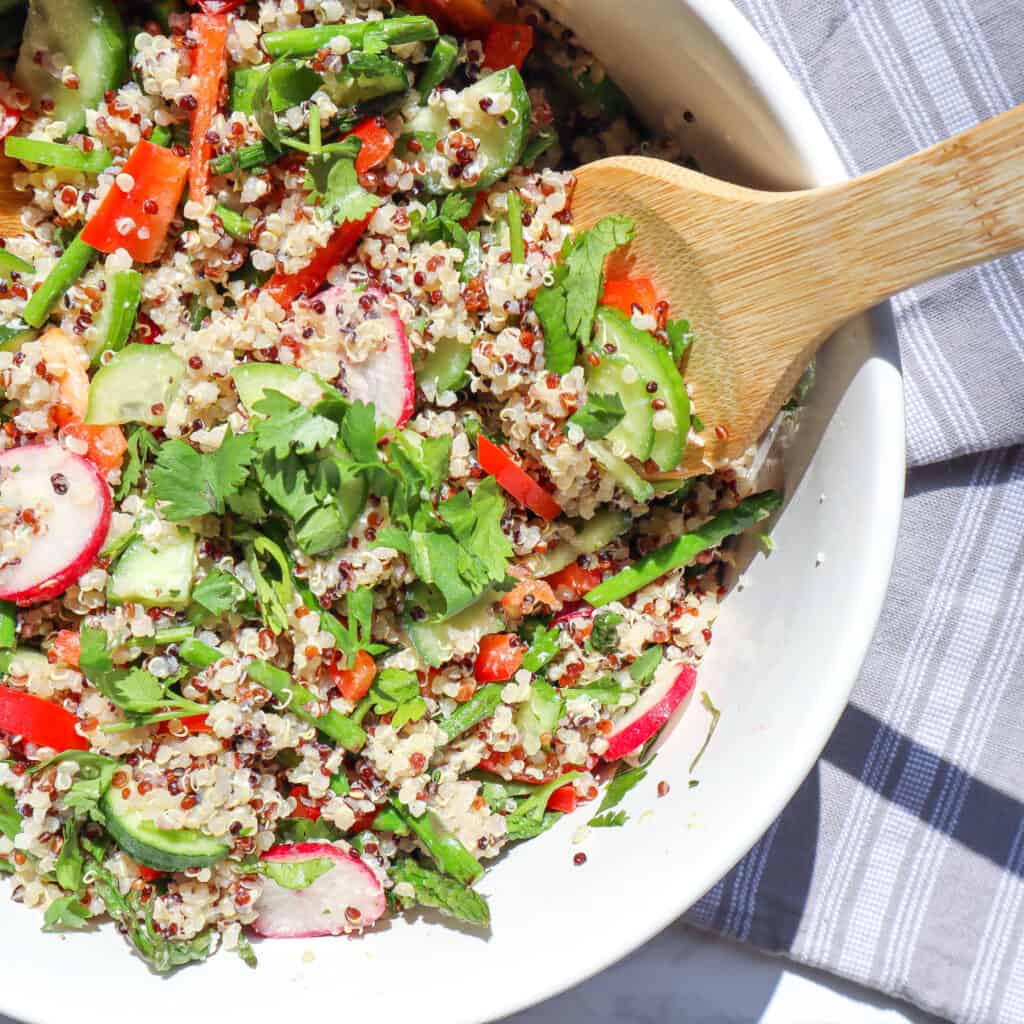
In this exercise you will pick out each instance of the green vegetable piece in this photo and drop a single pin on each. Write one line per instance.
(516, 243)
(199, 654)
(441, 64)
(604, 636)
(444, 894)
(528, 819)
(296, 699)
(161, 136)
(642, 670)
(117, 318)
(10, 819)
(448, 853)
(89, 35)
(481, 705)
(258, 154)
(388, 819)
(9, 262)
(685, 549)
(8, 624)
(539, 145)
(716, 716)
(65, 272)
(234, 223)
(57, 154)
(600, 415)
(304, 42)
(297, 874)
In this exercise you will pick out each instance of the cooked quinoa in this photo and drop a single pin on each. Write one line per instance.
(350, 552)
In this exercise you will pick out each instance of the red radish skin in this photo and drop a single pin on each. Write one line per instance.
(348, 898)
(73, 532)
(386, 379)
(655, 707)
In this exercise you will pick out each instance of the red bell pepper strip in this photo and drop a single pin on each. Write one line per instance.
(355, 682)
(563, 799)
(148, 874)
(628, 292)
(377, 141)
(9, 120)
(303, 809)
(514, 479)
(107, 444)
(39, 721)
(286, 288)
(499, 658)
(469, 18)
(476, 212)
(507, 46)
(572, 582)
(150, 204)
(208, 68)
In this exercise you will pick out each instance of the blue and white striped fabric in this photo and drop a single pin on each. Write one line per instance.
(900, 863)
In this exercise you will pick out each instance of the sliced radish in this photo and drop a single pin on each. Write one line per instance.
(657, 704)
(578, 611)
(386, 378)
(55, 510)
(344, 897)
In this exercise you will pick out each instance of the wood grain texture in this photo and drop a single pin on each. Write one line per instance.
(766, 278)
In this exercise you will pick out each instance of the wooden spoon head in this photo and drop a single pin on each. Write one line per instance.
(686, 242)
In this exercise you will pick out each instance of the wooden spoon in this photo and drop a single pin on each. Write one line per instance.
(765, 278)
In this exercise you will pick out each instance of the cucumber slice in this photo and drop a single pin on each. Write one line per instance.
(622, 472)
(501, 136)
(654, 363)
(136, 386)
(594, 535)
(156, 576)
(435, 641)
(158, 848)
(539, 716)
(89, 35)
(636, 430)
(117, 318)
(14, 334)
(24, 659)
(252, 380)
(291, 83)
(446, 366)
(366, 76)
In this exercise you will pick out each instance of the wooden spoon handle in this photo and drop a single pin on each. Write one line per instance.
(947, 208)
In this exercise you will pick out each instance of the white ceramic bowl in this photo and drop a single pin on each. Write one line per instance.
(787, 650)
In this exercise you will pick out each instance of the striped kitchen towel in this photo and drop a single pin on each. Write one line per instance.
(900, 862)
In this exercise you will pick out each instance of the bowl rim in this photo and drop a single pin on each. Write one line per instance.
(804, 131)
(799, 125)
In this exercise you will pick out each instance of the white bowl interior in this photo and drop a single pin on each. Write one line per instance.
(786, 653)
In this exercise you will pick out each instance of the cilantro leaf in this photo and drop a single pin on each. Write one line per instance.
(680, 338)
(359, 433)
(296, 874)
(288, 427)
(432, 889)
(610, 819)
(287, 483)
(642, 670)
(600, 415)
(141, 445)
(10, 819)
(218, 592)
(397, 691)
(623, 782)
(560, 347)
(273, 589)
(70, 863)
(193, 484)
(263, 109)
(335, 185)
(566, 308)
(66, 912)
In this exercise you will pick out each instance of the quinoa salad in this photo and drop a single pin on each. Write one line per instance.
(344, 539)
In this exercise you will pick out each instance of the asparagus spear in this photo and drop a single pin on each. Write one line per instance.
(480, 706)
(684, 549)
(304, 42)
(448, 853)
(64, 274)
